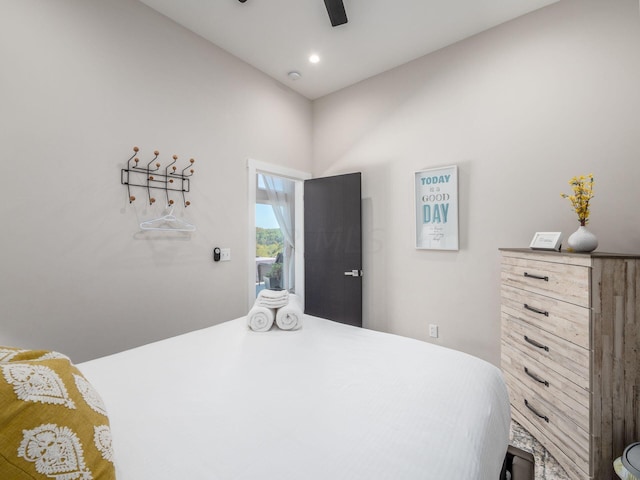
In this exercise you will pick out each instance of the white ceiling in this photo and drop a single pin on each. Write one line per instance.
(277, 36)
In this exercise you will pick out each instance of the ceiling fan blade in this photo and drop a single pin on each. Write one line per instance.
(337, 14)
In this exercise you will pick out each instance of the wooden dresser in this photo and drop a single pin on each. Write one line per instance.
(571, 353)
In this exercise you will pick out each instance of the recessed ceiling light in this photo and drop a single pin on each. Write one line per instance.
(314, 58)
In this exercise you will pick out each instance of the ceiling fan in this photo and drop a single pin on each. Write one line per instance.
(335, 9)
(337, 14)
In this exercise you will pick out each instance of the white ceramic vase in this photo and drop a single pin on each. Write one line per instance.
(582, 240)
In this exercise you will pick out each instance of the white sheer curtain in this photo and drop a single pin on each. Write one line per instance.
(281, 196)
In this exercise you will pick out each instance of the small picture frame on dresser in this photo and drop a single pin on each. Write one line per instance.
(546, 241)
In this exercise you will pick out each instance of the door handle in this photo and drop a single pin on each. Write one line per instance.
(353, 273)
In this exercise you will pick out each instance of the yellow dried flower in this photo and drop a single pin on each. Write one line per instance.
(582, 187)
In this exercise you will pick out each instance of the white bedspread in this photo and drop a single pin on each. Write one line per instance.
(327, 402)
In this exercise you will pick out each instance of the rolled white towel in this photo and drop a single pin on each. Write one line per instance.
(260, 319)
(289, 317)
(272, 298)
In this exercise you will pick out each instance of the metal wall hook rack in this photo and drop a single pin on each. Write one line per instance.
(151, 178)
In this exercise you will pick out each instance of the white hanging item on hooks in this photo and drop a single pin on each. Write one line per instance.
(168, 223)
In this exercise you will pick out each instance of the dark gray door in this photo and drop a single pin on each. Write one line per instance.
(333, 248)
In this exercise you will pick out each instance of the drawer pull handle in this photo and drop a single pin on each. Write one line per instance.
(537, 277)
(536, 310)
(544, 417)
(536, 344)
(535, 377)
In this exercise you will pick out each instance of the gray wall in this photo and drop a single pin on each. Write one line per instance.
(81, 83)
(520, 109)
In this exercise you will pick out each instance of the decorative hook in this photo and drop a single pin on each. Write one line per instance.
(192, 162)
(167, 180)
(156, 153)
(151, 178)
(135, 152)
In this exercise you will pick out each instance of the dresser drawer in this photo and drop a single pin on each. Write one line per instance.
(569, 283)
(567, 460)
(551, 421)
(565, 320)
(567, 359)
(548, 384)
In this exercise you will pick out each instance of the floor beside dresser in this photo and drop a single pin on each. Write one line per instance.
(546, 467)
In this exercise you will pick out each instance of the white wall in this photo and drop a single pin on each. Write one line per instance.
(520, 109)
(81, 83)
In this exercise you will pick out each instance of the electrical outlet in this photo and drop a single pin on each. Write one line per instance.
(433, 330)
(225, 254)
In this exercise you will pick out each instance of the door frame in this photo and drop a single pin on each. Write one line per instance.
(254, 167)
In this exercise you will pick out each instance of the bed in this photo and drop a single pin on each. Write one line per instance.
(325, 402)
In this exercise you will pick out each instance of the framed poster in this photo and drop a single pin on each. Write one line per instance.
(436, 197)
